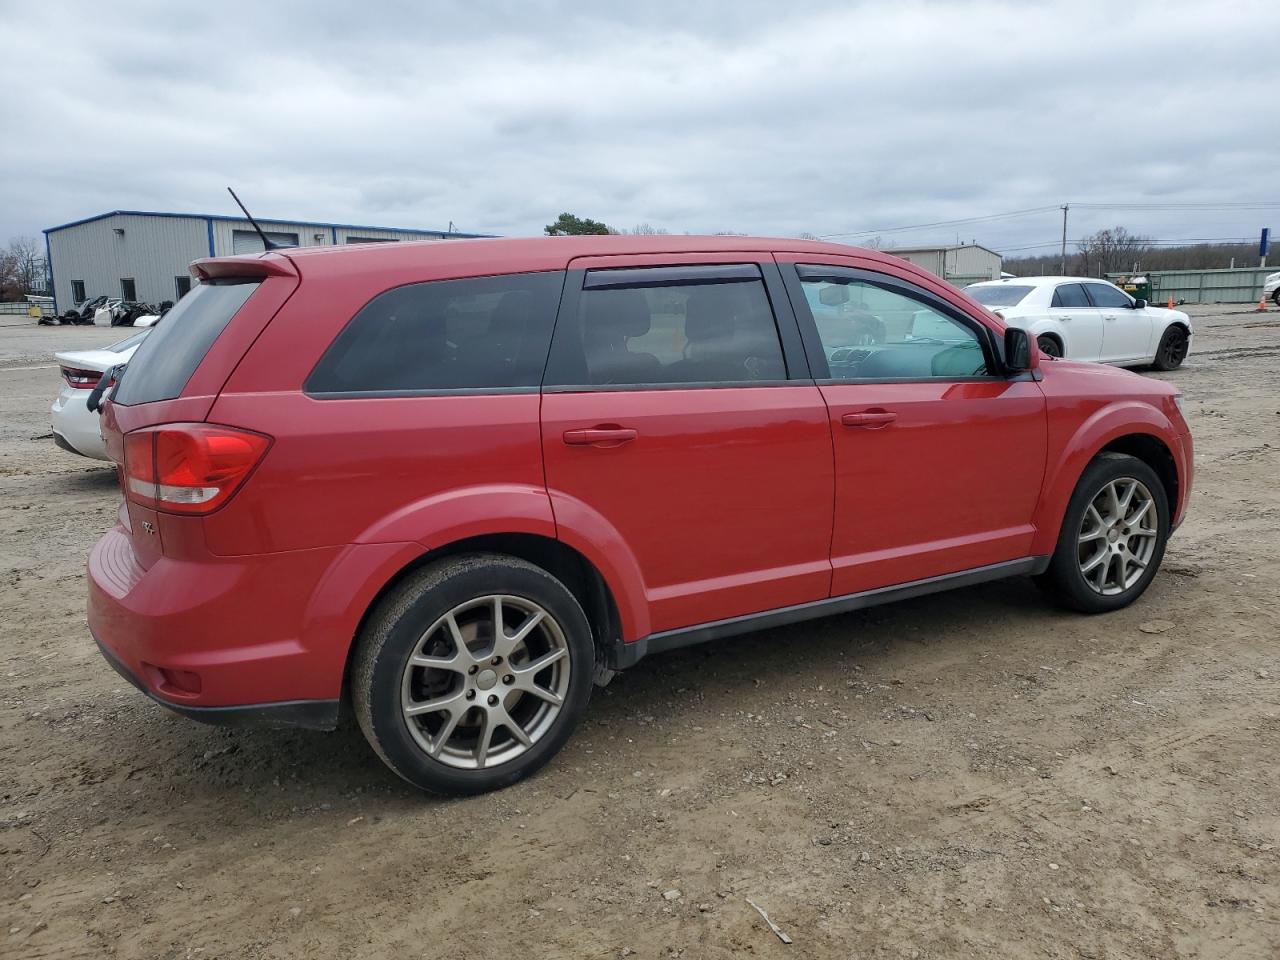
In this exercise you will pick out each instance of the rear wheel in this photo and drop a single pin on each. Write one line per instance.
(473, 673)
(1049, 346)
(1113, 536)
(1172, 350)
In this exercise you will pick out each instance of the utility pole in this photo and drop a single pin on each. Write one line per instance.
(1064, 239)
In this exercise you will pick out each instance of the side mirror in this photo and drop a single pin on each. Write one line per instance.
(1017, 350)
(1139, 304)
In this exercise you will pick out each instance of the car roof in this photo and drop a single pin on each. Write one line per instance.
(1022, 281)
(527, 254)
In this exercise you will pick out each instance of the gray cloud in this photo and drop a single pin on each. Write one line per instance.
(751, 116)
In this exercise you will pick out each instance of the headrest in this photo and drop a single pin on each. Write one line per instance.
(511, 315)
(707, 316)
(616, 313)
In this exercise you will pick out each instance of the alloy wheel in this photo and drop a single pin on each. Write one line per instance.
(1174, 349)
(485, 682)
(1118, 536)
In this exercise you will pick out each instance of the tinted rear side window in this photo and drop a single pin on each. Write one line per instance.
(1070, 295)
(167, 358)
(482, 333)
(1105, 295)
(682, 333)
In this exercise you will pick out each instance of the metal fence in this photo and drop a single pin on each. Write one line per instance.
(21, 309)
(1241, 285)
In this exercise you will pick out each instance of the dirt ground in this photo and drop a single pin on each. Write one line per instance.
(973, 774)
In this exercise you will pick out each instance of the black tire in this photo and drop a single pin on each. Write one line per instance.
(393, 633)
(1172, 350)
(1275, 297)
(1050, 346)
(1064, 581)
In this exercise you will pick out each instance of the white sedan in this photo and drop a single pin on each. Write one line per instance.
(75, 427)
(1083, 319)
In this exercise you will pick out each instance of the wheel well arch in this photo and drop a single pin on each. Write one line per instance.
(1184, 327)
(1053, 335)
(1152, 451)
(562, 561)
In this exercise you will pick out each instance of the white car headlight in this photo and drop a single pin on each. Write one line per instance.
(1177, 400)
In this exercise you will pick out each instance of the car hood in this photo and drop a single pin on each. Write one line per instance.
(100, 360)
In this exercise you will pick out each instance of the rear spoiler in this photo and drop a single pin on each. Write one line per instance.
(256, 266)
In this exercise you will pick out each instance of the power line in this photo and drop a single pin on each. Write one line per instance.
(1181, 241)
(941, 223)
(1144, 205)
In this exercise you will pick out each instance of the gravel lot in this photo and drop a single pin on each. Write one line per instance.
(972, 774)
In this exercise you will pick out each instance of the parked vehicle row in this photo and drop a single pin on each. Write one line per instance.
(107, 312)
(453, 484)
(1087, 319)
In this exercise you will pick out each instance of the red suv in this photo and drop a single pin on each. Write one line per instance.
(453, 484)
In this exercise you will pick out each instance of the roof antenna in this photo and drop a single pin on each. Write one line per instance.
(266, 244)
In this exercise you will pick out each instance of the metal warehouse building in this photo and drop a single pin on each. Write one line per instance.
(136, 255)
(959, 264)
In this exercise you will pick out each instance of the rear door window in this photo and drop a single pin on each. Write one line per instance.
(169, 355)
(479, 334)
(1070, 295)
(1106, 296)
(656, 326)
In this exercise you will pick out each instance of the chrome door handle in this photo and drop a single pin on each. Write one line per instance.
(871, 419)
(601, 436)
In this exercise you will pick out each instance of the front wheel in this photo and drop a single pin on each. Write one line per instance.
(1275, 297)
(1049, 346)
(1113, 536)
(473, 673)
(1172, 350)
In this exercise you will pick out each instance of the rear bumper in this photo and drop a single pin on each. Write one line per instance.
(75, 427)
(310, 714)
(217, 639)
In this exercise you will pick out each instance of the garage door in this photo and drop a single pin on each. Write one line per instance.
(248, 241)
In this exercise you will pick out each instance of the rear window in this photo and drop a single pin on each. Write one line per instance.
(169, 355)
(999, 295)
(484, 333)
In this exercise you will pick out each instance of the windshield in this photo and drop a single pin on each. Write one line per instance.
(998, 294)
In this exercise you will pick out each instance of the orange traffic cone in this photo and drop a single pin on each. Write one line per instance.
(1262, 305)
(1171, 303)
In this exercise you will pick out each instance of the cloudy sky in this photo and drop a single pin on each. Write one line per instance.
(758, 117)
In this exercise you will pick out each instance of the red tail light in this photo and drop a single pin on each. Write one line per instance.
(79, 379)
(191, 468)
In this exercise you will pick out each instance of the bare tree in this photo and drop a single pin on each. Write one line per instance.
(1112, 250)
(21, 269)
(646, 230)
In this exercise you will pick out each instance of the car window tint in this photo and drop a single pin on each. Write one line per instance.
(165, 360)
(869, 332)
(1105, 295)
(1070, 295)
(481, 333)
(709, 332)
